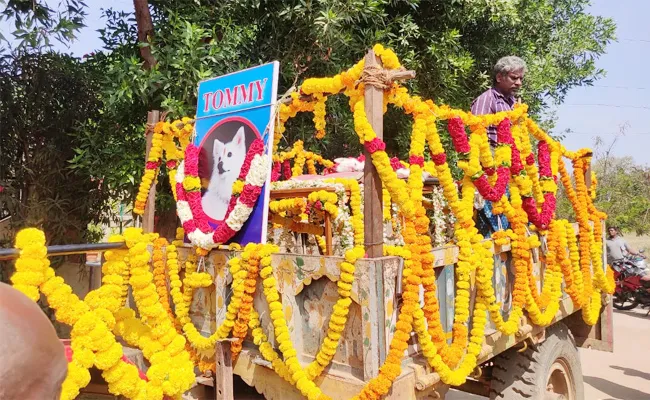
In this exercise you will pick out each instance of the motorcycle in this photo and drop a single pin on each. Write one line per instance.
(630, 291)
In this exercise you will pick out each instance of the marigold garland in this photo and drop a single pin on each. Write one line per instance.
(532, 200)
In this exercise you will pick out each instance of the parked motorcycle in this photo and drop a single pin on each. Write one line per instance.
(630, 292)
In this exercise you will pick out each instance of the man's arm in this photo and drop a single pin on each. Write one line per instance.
(630, 249)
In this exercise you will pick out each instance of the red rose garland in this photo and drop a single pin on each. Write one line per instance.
(541, 219)
(456, 129)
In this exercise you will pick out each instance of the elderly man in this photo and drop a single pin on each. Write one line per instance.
(508, 74)
(32, 359)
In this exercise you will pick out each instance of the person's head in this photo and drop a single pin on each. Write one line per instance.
(509, 74)
(33, 362)
(612, 231)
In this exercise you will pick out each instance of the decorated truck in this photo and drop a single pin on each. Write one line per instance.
(363, 277)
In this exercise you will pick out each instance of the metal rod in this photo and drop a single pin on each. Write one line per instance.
(66, 249)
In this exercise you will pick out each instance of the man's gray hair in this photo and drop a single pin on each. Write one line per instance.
(508, 64)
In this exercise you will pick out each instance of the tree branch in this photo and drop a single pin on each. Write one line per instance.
(145, 31)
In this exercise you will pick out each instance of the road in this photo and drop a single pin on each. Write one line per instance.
(621, 375)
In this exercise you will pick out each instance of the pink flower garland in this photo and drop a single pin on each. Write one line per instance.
(275, 173)
(541, 219)
(458, 135)
(396, 163)
(515, 164)
(375, 145)
(199, 220)
(544, 160)
(286, 168)
(439, 158)
(493, 193)
(257, 147)
(417, 160)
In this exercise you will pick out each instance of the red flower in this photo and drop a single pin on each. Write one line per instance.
(152, 164)
(417, 160)
(189, 226)
(493, 193)
(223, 234)
(180, 192)
(249, 195)
(515, 160)
(489, 171)
(439, 159)
(396, 163)
(231, 205)
(257, 147)
(543, 219)
(530, 160)
(504, 135)
(194, 199)
(286, 166)
(458, 135)
(192, 160)
(544, 159)
(361, 158)
(275, 173)
(171, 164)
(375, 145)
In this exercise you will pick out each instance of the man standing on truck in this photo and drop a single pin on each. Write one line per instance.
(507, 77)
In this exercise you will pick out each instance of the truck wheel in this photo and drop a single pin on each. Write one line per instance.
(552, 371)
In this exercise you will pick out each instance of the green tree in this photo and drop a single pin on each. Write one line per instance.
(36, 23)
(42, 99)
(623, 189)
(452, 45)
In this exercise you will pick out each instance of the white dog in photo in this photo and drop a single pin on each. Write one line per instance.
(228, 159)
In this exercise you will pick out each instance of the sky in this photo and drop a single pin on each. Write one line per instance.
(621, 99)
(625, 90)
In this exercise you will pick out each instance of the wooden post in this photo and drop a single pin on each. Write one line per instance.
(328, 235)
(372, 189)
(223, 375)
(150, 207)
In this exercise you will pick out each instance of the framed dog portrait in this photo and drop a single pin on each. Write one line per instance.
(232, 112)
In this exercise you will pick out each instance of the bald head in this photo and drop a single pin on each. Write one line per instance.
(33, 362)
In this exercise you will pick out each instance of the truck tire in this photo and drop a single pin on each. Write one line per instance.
(552, 371)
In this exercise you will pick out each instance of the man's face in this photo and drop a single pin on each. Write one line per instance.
(510, 83)
(612, 232)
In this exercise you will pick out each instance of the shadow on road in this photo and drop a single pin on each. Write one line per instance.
(632, 372)
(615, 390)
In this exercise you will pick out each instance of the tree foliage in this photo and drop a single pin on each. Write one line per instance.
(36, 23)
(451, 44)
(42, 99)
(623, 190)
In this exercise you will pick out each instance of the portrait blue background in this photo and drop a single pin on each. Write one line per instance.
(259, 113)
